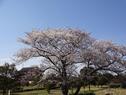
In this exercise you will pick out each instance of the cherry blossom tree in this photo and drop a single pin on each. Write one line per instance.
(60, 47)
(103, 56)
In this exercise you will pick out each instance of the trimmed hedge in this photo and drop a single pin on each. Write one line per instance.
(115, 85)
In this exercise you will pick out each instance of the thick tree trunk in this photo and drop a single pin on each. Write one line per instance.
(89, 87)
(64, 85)
(77, 90)
(4, 92)
(64, 88)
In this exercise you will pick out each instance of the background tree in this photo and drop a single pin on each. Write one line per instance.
(86, 77)
(104, 79)
(8, 78)
(103, 56)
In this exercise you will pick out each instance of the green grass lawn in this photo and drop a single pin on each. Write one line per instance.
(39, 92)
(98, 91)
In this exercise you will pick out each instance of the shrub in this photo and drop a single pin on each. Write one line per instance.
(18, 89)
(123, 85)
(89, 93)
(86, 93)
(108, 94)
(114, 85)
(25, 90)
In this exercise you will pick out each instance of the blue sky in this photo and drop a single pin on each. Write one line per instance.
(104, 19)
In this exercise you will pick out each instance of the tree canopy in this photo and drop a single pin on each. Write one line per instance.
(62, 49)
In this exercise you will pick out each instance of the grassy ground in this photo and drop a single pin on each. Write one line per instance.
(98, 91)
(117, 91)
(39, 92)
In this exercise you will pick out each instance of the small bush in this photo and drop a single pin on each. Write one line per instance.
(25, 90)
(108, 94)
(48, 87)
(123, 85)
(89, 93)
(114, 85)
(86, 93)
(18, 89)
